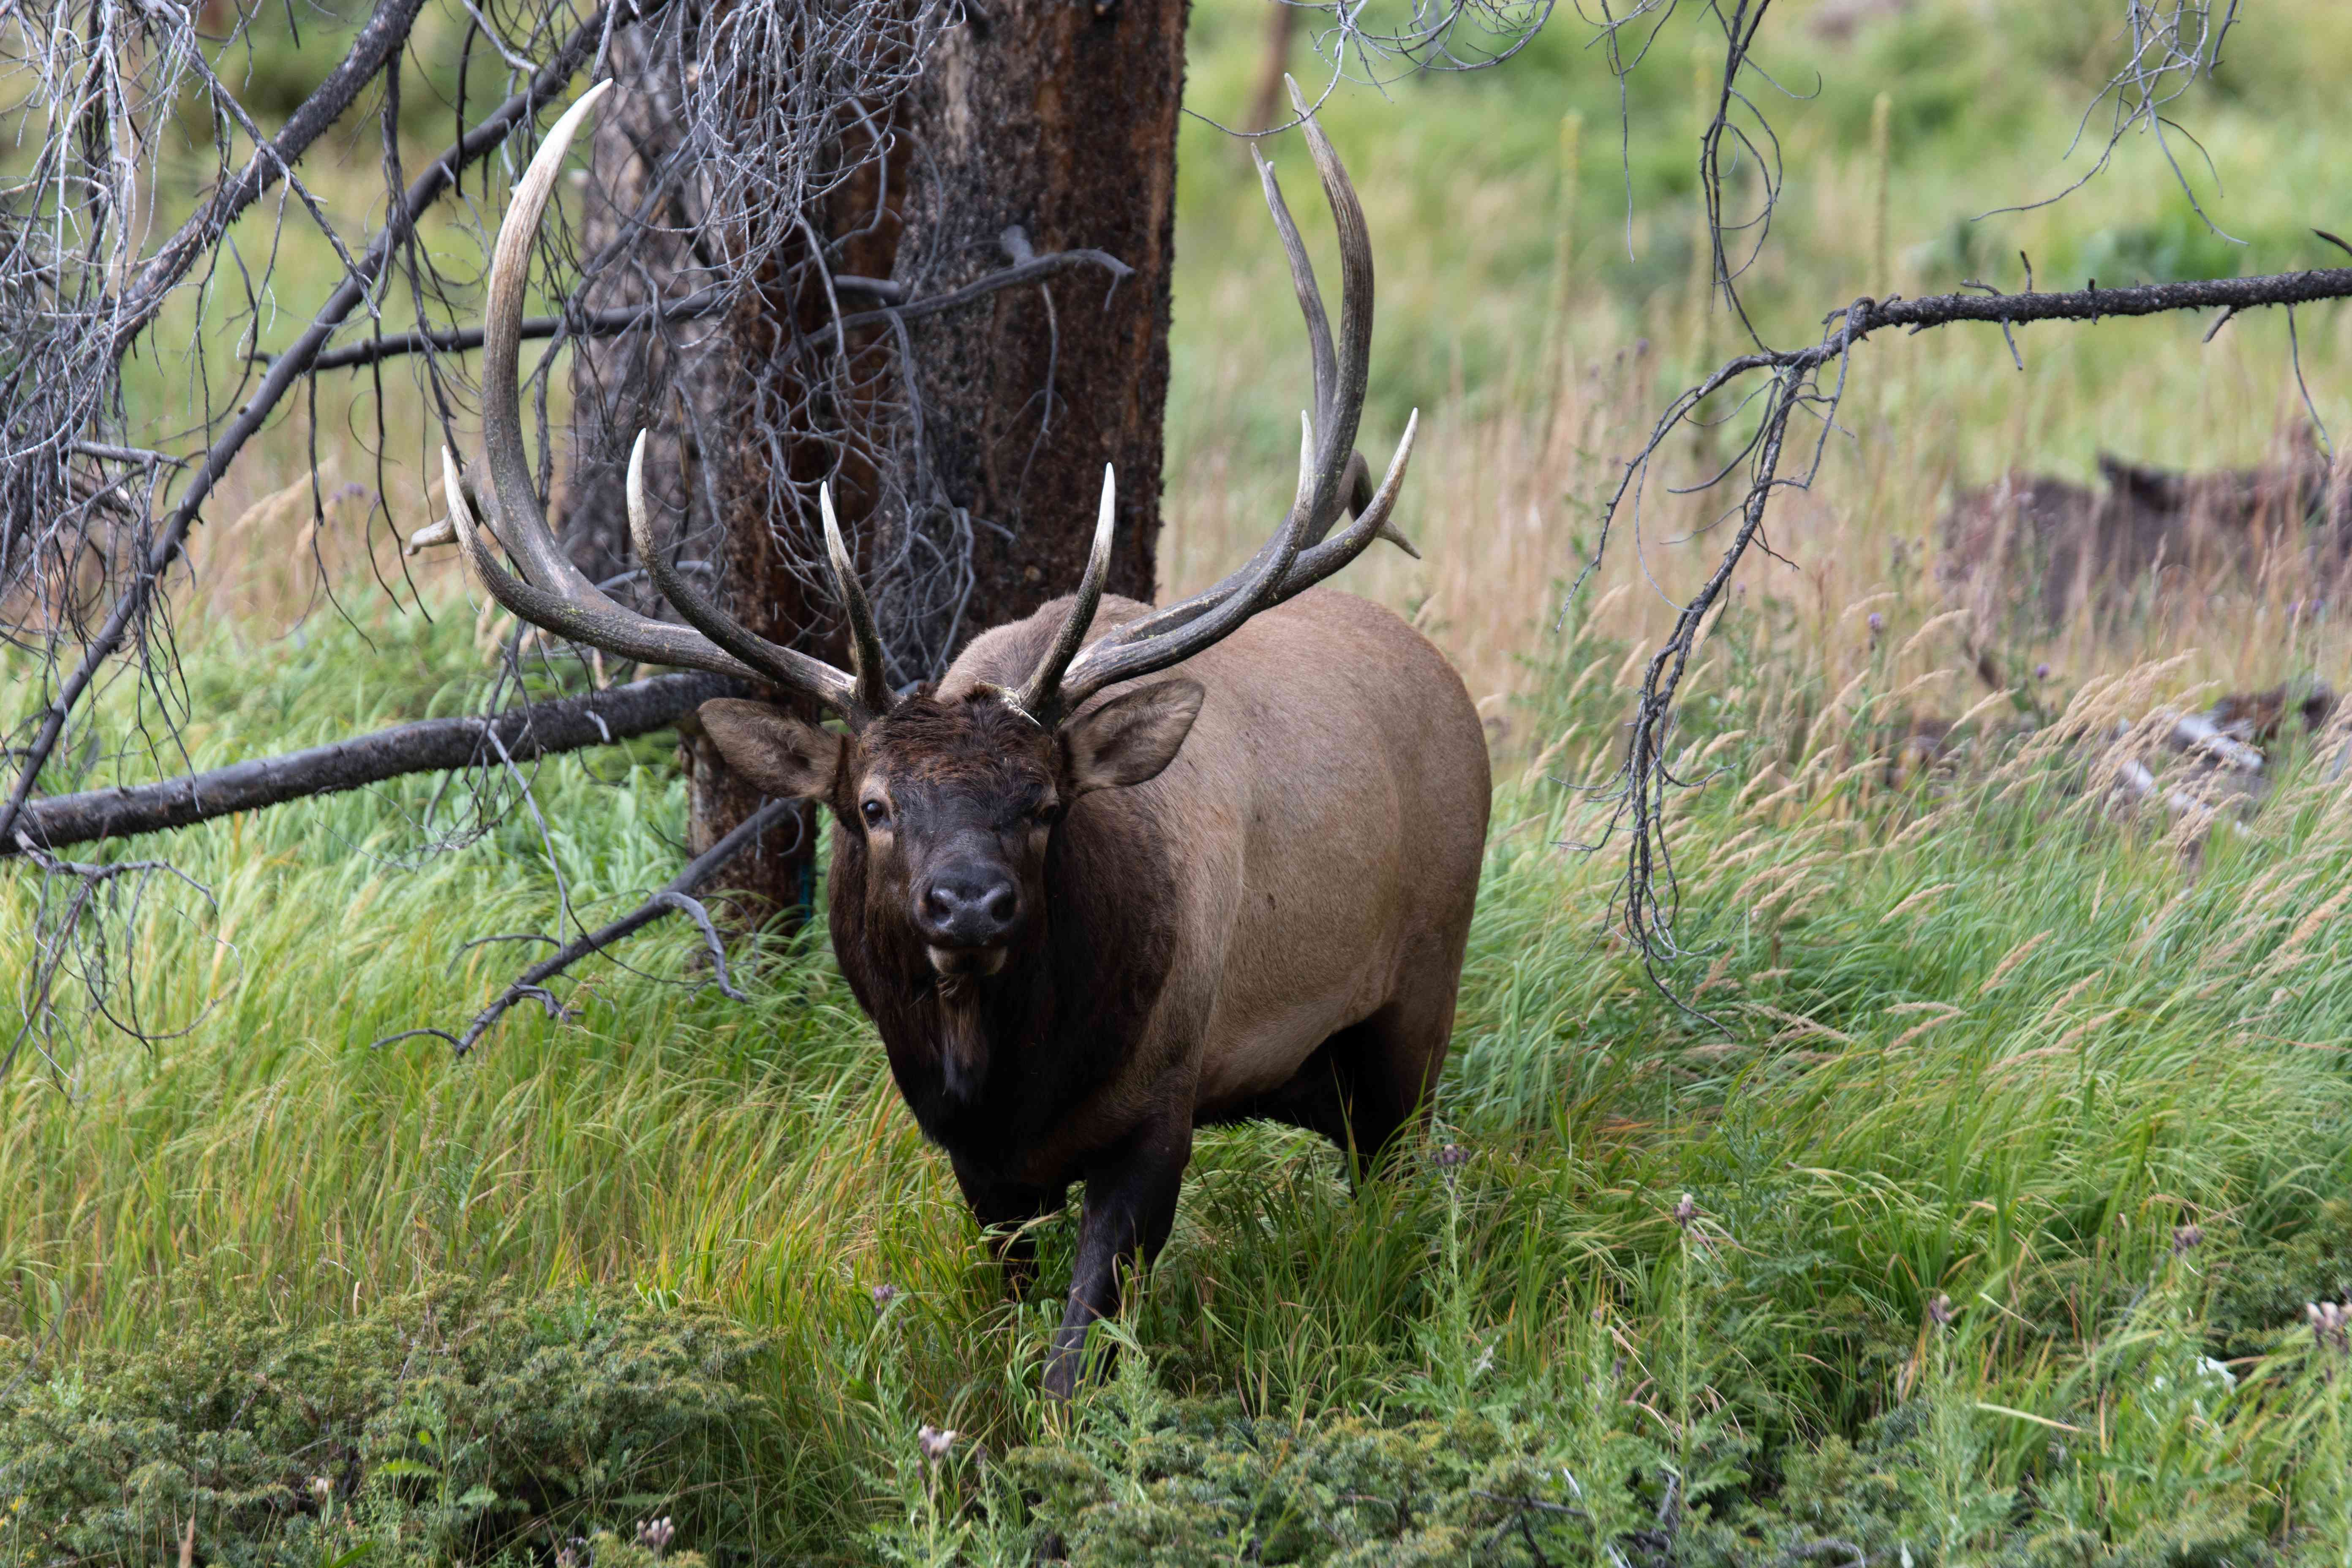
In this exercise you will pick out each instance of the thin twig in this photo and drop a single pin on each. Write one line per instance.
(678, 897)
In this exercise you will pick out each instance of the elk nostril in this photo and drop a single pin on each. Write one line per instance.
(1002, 902)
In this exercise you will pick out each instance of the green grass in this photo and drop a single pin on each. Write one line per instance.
(1464, 198)
(1983, 1051)
(2115, 1049)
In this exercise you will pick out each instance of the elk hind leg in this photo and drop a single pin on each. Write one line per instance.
(1361, 1086)
(1386, 1069)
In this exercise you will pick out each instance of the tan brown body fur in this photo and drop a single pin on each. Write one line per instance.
(1272, 926)
(1321, 831)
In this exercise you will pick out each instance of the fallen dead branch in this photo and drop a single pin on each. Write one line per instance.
(675, 898)
(426, 745)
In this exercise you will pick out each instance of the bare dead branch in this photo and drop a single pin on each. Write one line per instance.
(84, 912)
(384, 35)
(1646, 900)
(427, 746)
(676, 897)
(135, 598)
(2167, 44)
(465, 339)
(1036, 269)
(713, 302)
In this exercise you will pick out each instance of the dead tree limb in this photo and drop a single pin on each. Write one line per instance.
(380, 40)
(464, 340)
(131, 602)
(1646, 902)
(427, 746)
(1034, 271)
(676, 897)
(712, 301)
(2090, 303)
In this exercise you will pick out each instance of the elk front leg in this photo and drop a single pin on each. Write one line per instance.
(1007, 1208)
(1130, 1203)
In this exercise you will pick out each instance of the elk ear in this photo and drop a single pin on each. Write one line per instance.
(786, 757)
(1130, 739)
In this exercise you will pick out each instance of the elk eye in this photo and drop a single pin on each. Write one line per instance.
(877, 814)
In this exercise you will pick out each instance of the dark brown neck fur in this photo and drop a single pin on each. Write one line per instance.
(990, 1067)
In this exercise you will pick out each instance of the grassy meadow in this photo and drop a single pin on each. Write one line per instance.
(1967, 1213)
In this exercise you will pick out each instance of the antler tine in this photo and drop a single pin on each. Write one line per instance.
(552, 592)
(1282, 575)
(1106, 663)
(607, 627)
(1371, 522)
(1041, 698)
(521, 525)
(1355, 491)
(1335, 427)
(785, 666)
(1302, 281)
(873, 681)
(1330, 469)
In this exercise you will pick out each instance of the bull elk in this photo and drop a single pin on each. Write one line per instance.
(1090, 914)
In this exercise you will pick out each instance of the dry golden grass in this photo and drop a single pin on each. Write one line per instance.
(1502, 501)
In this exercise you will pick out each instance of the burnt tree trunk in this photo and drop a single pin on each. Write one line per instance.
(683, 383)
(1036, 126)
(1058, 119)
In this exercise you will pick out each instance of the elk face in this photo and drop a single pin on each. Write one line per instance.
(953, 804)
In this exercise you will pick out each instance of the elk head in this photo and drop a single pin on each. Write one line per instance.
(953, 803)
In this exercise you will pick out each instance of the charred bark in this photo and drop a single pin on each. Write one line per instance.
(645, 239)
(1036, 128)
(1058, 121)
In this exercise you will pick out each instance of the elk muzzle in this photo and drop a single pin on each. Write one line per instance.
(967, 913)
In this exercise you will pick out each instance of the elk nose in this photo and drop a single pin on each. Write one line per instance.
(970, 906)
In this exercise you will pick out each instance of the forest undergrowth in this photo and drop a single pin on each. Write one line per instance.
(1957, 1195)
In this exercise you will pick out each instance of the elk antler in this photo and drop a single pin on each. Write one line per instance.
(555, 594)
(1330, 475)
(1040, 692)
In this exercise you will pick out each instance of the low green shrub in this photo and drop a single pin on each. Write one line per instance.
(1208, 1483)
(458, 1424)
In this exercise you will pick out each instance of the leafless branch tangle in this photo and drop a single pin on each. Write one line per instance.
(2168, 46)
(96, 508)
(86, 915)
(1793, 383)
